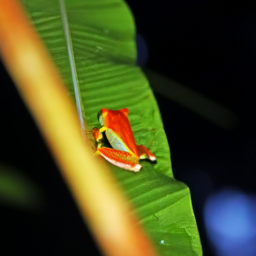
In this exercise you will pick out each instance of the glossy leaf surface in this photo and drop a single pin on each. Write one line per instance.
(92, 44)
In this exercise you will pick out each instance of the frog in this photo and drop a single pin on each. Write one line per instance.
(125, 153)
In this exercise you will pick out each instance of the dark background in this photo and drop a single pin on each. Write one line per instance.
(208, 46)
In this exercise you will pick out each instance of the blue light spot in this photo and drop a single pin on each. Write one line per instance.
(230, 223)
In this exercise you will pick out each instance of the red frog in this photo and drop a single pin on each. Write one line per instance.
(125, 153)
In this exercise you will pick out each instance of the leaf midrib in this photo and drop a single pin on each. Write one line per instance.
(72, 63)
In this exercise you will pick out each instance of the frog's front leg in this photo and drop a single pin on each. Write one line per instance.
(97, 134)
(144, 153)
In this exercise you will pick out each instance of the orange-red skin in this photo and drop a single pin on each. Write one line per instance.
(121, 159)
(118, 122)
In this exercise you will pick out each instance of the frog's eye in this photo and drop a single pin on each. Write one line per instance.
(100, 118)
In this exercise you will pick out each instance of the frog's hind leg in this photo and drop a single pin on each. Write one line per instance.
(144, 153)
(120, 158)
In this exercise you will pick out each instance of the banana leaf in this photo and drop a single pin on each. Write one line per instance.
(92, 43)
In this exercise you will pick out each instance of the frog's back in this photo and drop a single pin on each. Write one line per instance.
(119, 132)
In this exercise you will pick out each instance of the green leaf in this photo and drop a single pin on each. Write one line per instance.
(18, 191)
(92, 44)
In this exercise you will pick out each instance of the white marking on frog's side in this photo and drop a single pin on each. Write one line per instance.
(115, 141)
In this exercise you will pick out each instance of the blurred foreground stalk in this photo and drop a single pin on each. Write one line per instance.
(94, 189)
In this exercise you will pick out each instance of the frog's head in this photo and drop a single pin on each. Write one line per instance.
(105, 116)
(102, 115)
